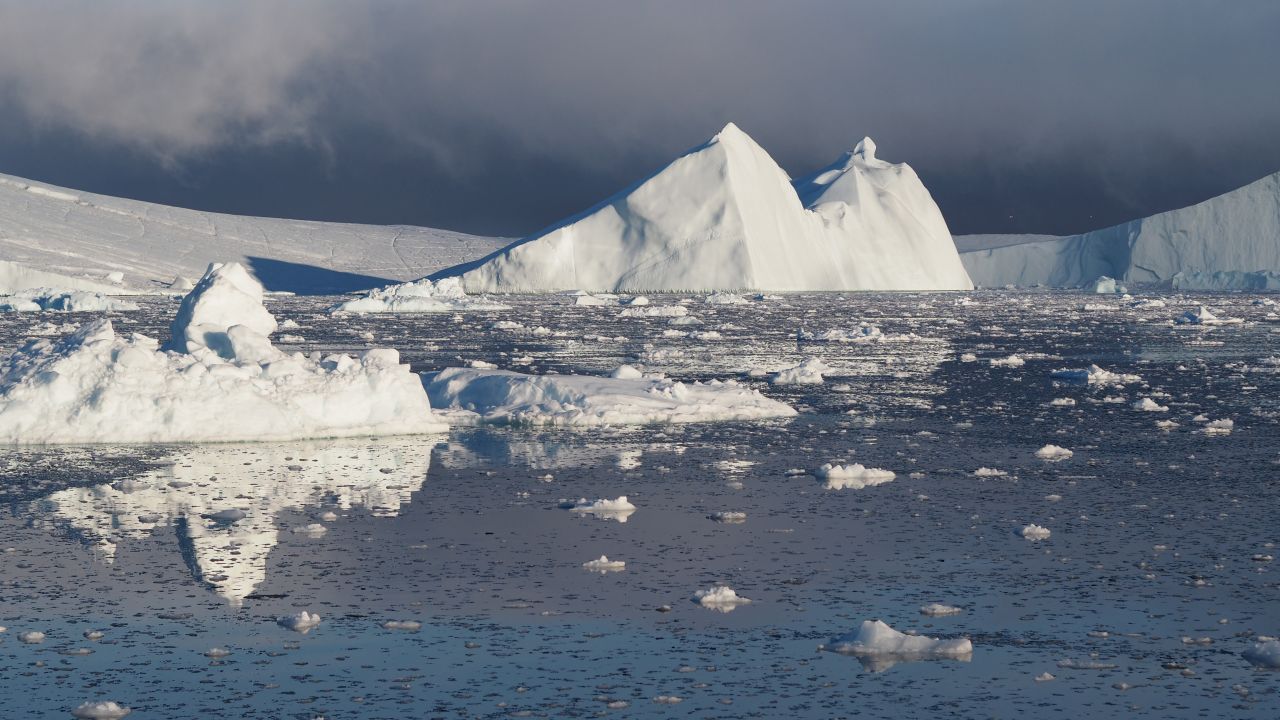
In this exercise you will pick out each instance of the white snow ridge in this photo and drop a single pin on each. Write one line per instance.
(219, 379)
(726, 217)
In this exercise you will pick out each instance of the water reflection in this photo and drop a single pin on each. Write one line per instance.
(224, 503)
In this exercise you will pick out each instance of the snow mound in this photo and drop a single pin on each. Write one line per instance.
(45, 299)
(725, 217)
(874, 638)
(854, 476)
(220, 379)
(503, 397)
(420, 296)
(721, 598)
(1230, 242)
(1094, 375)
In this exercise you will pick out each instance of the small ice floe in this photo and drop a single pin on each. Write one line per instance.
(1202, 316)
(1053, 453)
(881, 647)
(1094, 375)
(406, 625)
(100, 710)
(1085, 664)
(728, 516)
(312, 530)
(1264, 654)
(228, 516)
(217, 653)
(94, 635)
(419, 296)
(327, 516)
(1166, 425)
(1034, 532)
(626, 372)
(1146, 404)
(1013, 361)
(1147, 304)
(854, 476)
(725, 298)
(968, 358)
(1104, 285)
(940, 610)
(604, 565)
(720, 598)
(31, 637)
(301, 622)
(667, 311)
(864, 333)
(808, 372)
(1218, 427)
(668, 699)
(617, 509)
(481, 365)
(1053, 498)
(989, 472)
(1045, 677)
(1062, 402)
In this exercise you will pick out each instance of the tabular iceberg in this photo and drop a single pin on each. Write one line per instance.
(218, 379)
(1228, 242)
(724, 216)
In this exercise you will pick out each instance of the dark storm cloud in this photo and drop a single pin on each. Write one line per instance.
(501, 116)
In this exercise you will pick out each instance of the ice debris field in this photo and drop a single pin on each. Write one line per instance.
(989, 503)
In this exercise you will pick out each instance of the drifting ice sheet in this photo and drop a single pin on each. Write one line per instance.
(471, 395)
(421, 296)
(220, 380)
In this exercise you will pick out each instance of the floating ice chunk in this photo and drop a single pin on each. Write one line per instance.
(31, 637)
(469, 396)
(1218, 427)
(1011, 361)
(1147, 304)
(420, 296)
(1104, 285)
(1094, 375)
(301, 622)
(668, 699)
(725, 298)
(721, 598)
(48, 300)
(223, 381)
(864, 333)
(1085, 664)
(728, 516)
(808, 372)
(1053, 498)
(968, 358)
(989, 472)
(1202, 316)
(940, 610)
(312, 529)
(217, 653)
(406, 625)
(1264, 654)
(668, 311)
(875, 639)
(604, 565)
(1146, 404)
(1035, 532)
(1053, 453)
(229, 515)
(626, 372)
(854, 476)
(1062, 402)
(100, 710)
(617, 509)
(1045, 677)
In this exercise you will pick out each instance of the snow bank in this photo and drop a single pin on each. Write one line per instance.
(854, 476)
(219, 379)
(725, 217)
(420, 296)
(500, 396)
(45, 299)
(874, 638)
(1229, 242)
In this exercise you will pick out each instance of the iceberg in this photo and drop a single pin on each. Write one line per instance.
(1230, 242)
(218, 379)
(725, 217)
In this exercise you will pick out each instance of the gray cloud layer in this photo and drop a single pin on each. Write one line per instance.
(500, 116)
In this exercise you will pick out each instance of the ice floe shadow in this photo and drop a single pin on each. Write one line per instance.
(300, 279)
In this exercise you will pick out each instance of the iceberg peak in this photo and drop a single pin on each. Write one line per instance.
(865, 149)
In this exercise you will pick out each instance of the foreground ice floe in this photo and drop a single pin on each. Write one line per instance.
(1202, 316)
(604, 565)
(300, 622)
(46, 300)
(219, 379)
(720, 598)
(620, 508)
(854, 476)
(468, 395)
(874, 640)
(1035, 532)
(1094, 375)
(940, 610)
(100, 710)
(1053, 453)
(420, 296)
(1265, 653)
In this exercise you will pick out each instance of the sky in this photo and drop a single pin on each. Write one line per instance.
(502, 116)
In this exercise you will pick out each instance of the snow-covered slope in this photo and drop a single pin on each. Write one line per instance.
(725, 216)
(1232, 240)
(82, 237)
